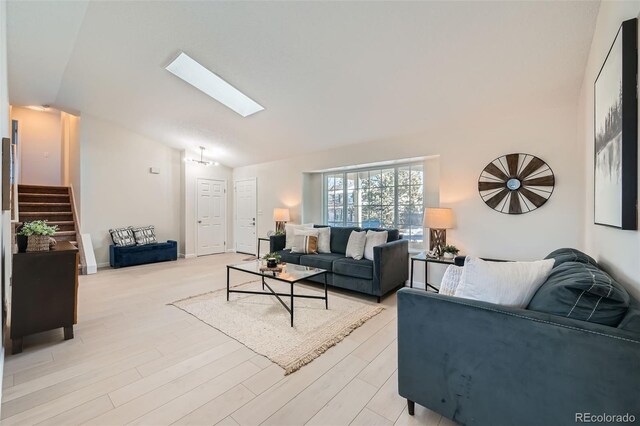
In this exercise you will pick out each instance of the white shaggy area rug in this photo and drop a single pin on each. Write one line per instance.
(262, 324)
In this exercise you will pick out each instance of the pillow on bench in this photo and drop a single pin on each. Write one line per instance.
(123, 237)
(145, 235)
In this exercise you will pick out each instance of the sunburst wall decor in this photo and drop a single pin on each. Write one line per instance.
(516, 183)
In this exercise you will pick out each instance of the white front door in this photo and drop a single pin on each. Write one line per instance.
(211, 216)
(246, 216)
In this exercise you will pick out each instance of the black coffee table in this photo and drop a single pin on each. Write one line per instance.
(291, 274)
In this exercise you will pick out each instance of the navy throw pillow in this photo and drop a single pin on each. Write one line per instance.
(570, 255)
(582, 291)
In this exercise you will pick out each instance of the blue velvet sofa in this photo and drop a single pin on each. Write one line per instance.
(139, 255)
(387, 271)
(482, 364)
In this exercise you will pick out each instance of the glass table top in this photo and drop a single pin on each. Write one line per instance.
(423, 257)
(290, 271)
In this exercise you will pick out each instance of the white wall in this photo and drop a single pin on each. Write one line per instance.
(117, 188)
(616, 250)
(191, 172)
(71, 155)
(465, 148)
(40, 146)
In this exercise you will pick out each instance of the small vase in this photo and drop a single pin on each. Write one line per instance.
(22, 241)
(449, 256)
(38, 243)
(272, 262)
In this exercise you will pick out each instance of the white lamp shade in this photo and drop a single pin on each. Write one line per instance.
(438, 218)
(281, 215)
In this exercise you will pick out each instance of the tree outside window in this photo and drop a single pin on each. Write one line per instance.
(386, 197)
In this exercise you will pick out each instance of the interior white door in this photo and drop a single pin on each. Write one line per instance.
(211, 212)
(246, 216)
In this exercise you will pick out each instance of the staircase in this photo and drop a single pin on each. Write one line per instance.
(56, 205)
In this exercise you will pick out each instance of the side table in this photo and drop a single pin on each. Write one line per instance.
(422, 257)
(261, 239)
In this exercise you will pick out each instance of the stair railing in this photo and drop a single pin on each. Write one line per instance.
(76, 223)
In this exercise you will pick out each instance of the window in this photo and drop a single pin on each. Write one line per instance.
(385, 197)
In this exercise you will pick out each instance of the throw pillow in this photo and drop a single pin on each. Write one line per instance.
(631, 320)
(306, 244)
(450, 280)
(355, 245)
(145, 235)
(374, 239)
(123, 237)
(503, 283)
(324, 240)
(570, 255)
(582, 291)
(289, 230)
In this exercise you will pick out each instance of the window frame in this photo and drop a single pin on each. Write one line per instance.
(345, 204)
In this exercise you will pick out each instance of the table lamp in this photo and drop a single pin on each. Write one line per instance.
(280, 216)
(438, 220)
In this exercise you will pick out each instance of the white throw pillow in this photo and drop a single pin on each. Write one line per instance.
(450, 280)
(324, 240)
(355, 245)
(503, 283)
(305, 243)
(374, 238)
(289, 229)
(306, 231)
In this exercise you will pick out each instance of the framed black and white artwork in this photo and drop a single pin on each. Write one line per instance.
(616, 133)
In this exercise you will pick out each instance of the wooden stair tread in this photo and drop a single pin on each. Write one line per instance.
(43, 194)
(63, 225)
(40, 189)
(45, 213)
(51, 213)
(29, 185)
(39, 204)
(60, 233)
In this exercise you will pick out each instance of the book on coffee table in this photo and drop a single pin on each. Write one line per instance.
(267, 269)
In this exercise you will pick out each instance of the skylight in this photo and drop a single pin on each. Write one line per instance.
(202, 79)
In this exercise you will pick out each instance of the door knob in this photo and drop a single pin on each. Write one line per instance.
(199, 221)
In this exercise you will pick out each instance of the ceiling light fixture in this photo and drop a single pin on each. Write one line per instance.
(189, 70)
(201, 160)
(41, 108)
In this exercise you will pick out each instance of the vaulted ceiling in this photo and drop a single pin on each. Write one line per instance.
(327, 73)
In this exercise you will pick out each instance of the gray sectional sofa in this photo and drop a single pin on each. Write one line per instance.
(388, 271)
(575, 351)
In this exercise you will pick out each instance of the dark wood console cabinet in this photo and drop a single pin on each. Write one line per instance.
(44, 289)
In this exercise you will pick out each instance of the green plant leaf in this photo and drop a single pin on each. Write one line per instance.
(38, 227)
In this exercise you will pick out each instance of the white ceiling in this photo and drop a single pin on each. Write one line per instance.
(327, 73)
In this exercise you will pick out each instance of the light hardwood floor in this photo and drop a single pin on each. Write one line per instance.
(136, 360)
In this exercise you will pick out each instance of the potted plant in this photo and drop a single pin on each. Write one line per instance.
(449, 251)
(273, 259)
(21, 240)
(38, 235)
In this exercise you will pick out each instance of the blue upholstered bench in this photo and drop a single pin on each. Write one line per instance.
(138, 255)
